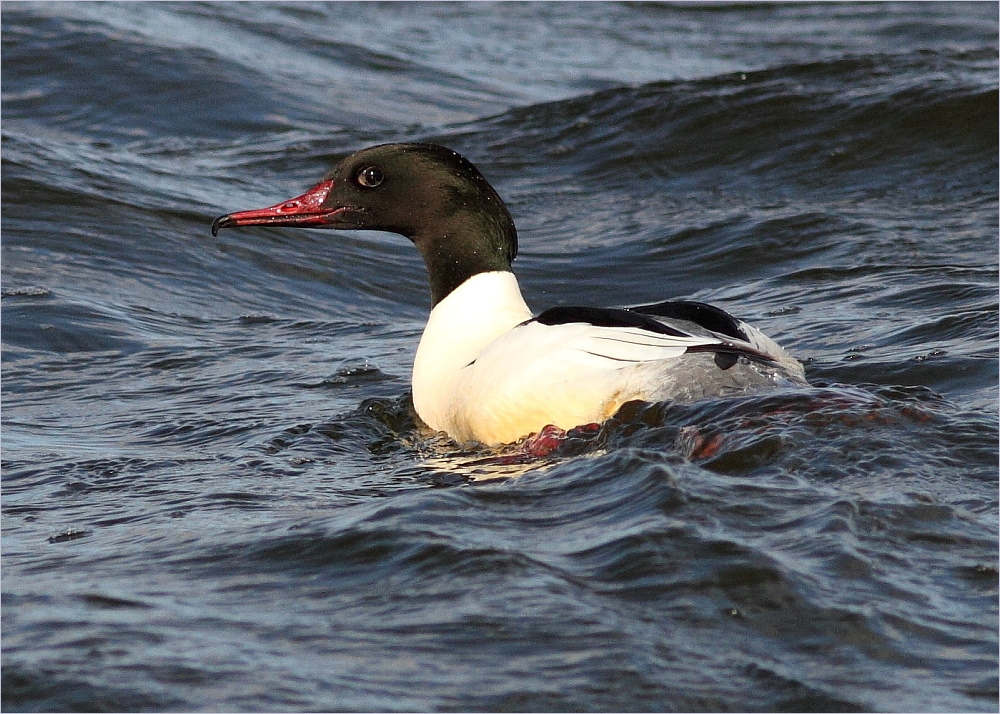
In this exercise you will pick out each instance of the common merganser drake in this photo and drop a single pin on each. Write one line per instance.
(486, 368)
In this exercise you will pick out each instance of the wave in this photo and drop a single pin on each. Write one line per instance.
(843, 114)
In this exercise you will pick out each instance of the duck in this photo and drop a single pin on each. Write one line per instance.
(489, 370)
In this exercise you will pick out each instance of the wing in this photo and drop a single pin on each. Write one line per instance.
(564, 374)
(572, 366)
(699, 313)
(634, 335)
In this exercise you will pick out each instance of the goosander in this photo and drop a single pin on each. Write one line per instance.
(486, 368)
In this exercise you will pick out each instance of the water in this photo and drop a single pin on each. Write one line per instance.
(215, 495)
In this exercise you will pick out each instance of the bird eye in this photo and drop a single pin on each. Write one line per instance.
(370, 176)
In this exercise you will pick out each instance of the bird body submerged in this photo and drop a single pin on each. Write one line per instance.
(488, 370)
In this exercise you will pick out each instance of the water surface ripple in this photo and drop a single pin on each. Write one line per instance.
(216, 495)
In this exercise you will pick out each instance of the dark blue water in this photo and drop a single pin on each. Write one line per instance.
(215, 495)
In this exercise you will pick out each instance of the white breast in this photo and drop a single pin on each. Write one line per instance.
(472, 316)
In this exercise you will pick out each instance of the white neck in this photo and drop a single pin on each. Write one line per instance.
(474, 314)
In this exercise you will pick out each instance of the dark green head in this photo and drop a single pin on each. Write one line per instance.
(428, 193)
